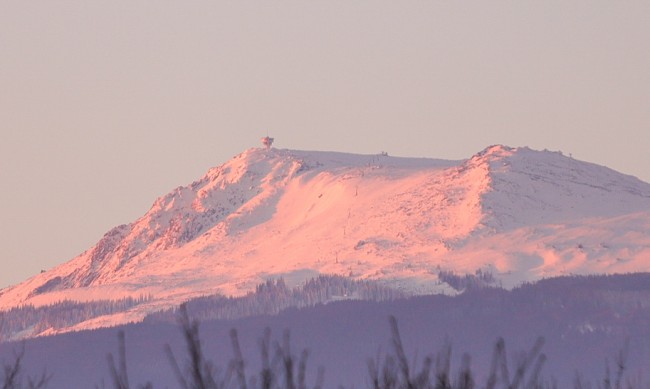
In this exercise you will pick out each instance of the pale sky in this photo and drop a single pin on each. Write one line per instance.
(107, 105)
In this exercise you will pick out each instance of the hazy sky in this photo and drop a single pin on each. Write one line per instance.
(107, 105)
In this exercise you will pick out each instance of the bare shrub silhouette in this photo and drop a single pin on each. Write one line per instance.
(13, 374)
(119, 374)
(396, 372)
(621, 363)
(281, 369)
(199, 373)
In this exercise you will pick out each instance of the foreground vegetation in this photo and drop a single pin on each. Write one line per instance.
(281, 368)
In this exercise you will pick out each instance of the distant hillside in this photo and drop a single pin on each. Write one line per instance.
(586, 321)
(269, 298)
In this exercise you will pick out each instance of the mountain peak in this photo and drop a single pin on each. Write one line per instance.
(518, 213)
(530, 187)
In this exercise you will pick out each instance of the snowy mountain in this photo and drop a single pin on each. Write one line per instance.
(516, 213)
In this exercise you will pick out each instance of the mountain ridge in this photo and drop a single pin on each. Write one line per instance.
(518, 213)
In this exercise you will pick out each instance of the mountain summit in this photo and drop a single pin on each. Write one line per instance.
(516, 213)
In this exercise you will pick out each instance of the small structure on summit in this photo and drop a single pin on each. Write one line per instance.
(267, 142)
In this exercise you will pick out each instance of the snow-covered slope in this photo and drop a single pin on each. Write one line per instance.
(518, 213)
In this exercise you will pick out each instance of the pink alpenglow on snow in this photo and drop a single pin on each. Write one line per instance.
(517, 213)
